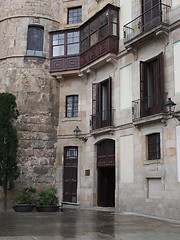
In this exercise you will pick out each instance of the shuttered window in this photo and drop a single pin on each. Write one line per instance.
(35, 41)
(101, 104)
(152, 85)
(151, 10)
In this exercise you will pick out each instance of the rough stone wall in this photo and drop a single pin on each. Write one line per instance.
(37, 92)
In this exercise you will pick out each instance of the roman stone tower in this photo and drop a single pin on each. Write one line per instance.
(24, 71)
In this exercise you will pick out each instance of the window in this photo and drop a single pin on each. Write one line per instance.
(35, 41)
(101, 104)
(151, 13)
(152, 86)
(65, 44)
(72, 106)
(74, 15)
(104, 25)
(154, 146)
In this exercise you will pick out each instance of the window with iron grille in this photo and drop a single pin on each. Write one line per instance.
(35, 41)
(74, 15)
(154, 146)
(72, 106)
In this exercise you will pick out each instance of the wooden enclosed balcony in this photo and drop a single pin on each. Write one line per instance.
(72, 49)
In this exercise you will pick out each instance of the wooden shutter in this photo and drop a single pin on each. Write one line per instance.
(160, 73)
(143, 80)
(95, 98)
(151, 17)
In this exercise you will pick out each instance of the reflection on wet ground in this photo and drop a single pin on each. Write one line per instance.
(85, 225)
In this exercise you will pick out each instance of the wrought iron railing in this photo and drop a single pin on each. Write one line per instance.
(149, 19)
(148, 106)
(102, 119)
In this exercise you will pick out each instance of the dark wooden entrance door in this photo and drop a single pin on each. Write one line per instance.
(151, 13)
(106, 186)
(70, 174)
(106, 173)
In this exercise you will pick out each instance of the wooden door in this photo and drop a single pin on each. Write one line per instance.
(70, 174)
(106, 186)
(106, 173)
(151, 10)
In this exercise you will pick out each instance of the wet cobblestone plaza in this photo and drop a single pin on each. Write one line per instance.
(85, 225)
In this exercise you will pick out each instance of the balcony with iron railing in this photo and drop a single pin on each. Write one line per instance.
(102, 119)
(150, 22)
(149, 106)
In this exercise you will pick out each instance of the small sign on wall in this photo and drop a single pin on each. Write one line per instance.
(87, 172)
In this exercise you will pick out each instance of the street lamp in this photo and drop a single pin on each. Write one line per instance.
(77, 132)
(170, 105)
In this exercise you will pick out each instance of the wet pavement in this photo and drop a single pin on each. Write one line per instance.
(85, 225)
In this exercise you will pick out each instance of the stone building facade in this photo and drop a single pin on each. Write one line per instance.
(106, 70)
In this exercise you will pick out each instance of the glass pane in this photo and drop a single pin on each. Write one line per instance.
(114, 29)
(74, 15)
(85, 45)
(113, 16)
(93, 38)
(111, 147)
(104, 18)
(38, 53)
(58, 51)
(58, 39)
(71, 153)
(73, 37)
(94, 26)
(73, 49)
(84, 33)
(103, 32)
(101, 149)
(35, 38)
(104, 102)
(154, 146)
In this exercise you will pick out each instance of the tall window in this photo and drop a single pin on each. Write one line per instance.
(152, 86)
(74, 15)
(101, 104)
(72, 106)
(35, 41)
(154, 146)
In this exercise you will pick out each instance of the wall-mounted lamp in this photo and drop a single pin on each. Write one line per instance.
(170, 105)
(77, 132)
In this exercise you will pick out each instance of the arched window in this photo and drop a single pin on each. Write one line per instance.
(35, 40)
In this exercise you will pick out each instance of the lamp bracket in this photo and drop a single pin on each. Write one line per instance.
(84, 139)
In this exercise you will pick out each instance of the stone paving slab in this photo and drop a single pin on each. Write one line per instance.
(85, 225)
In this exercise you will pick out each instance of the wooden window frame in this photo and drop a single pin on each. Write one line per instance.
(72, 113)
(99, 27)
(74, 18)
(65, 44)
(155, 153)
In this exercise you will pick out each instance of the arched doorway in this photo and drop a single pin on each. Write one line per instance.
(106, 173)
